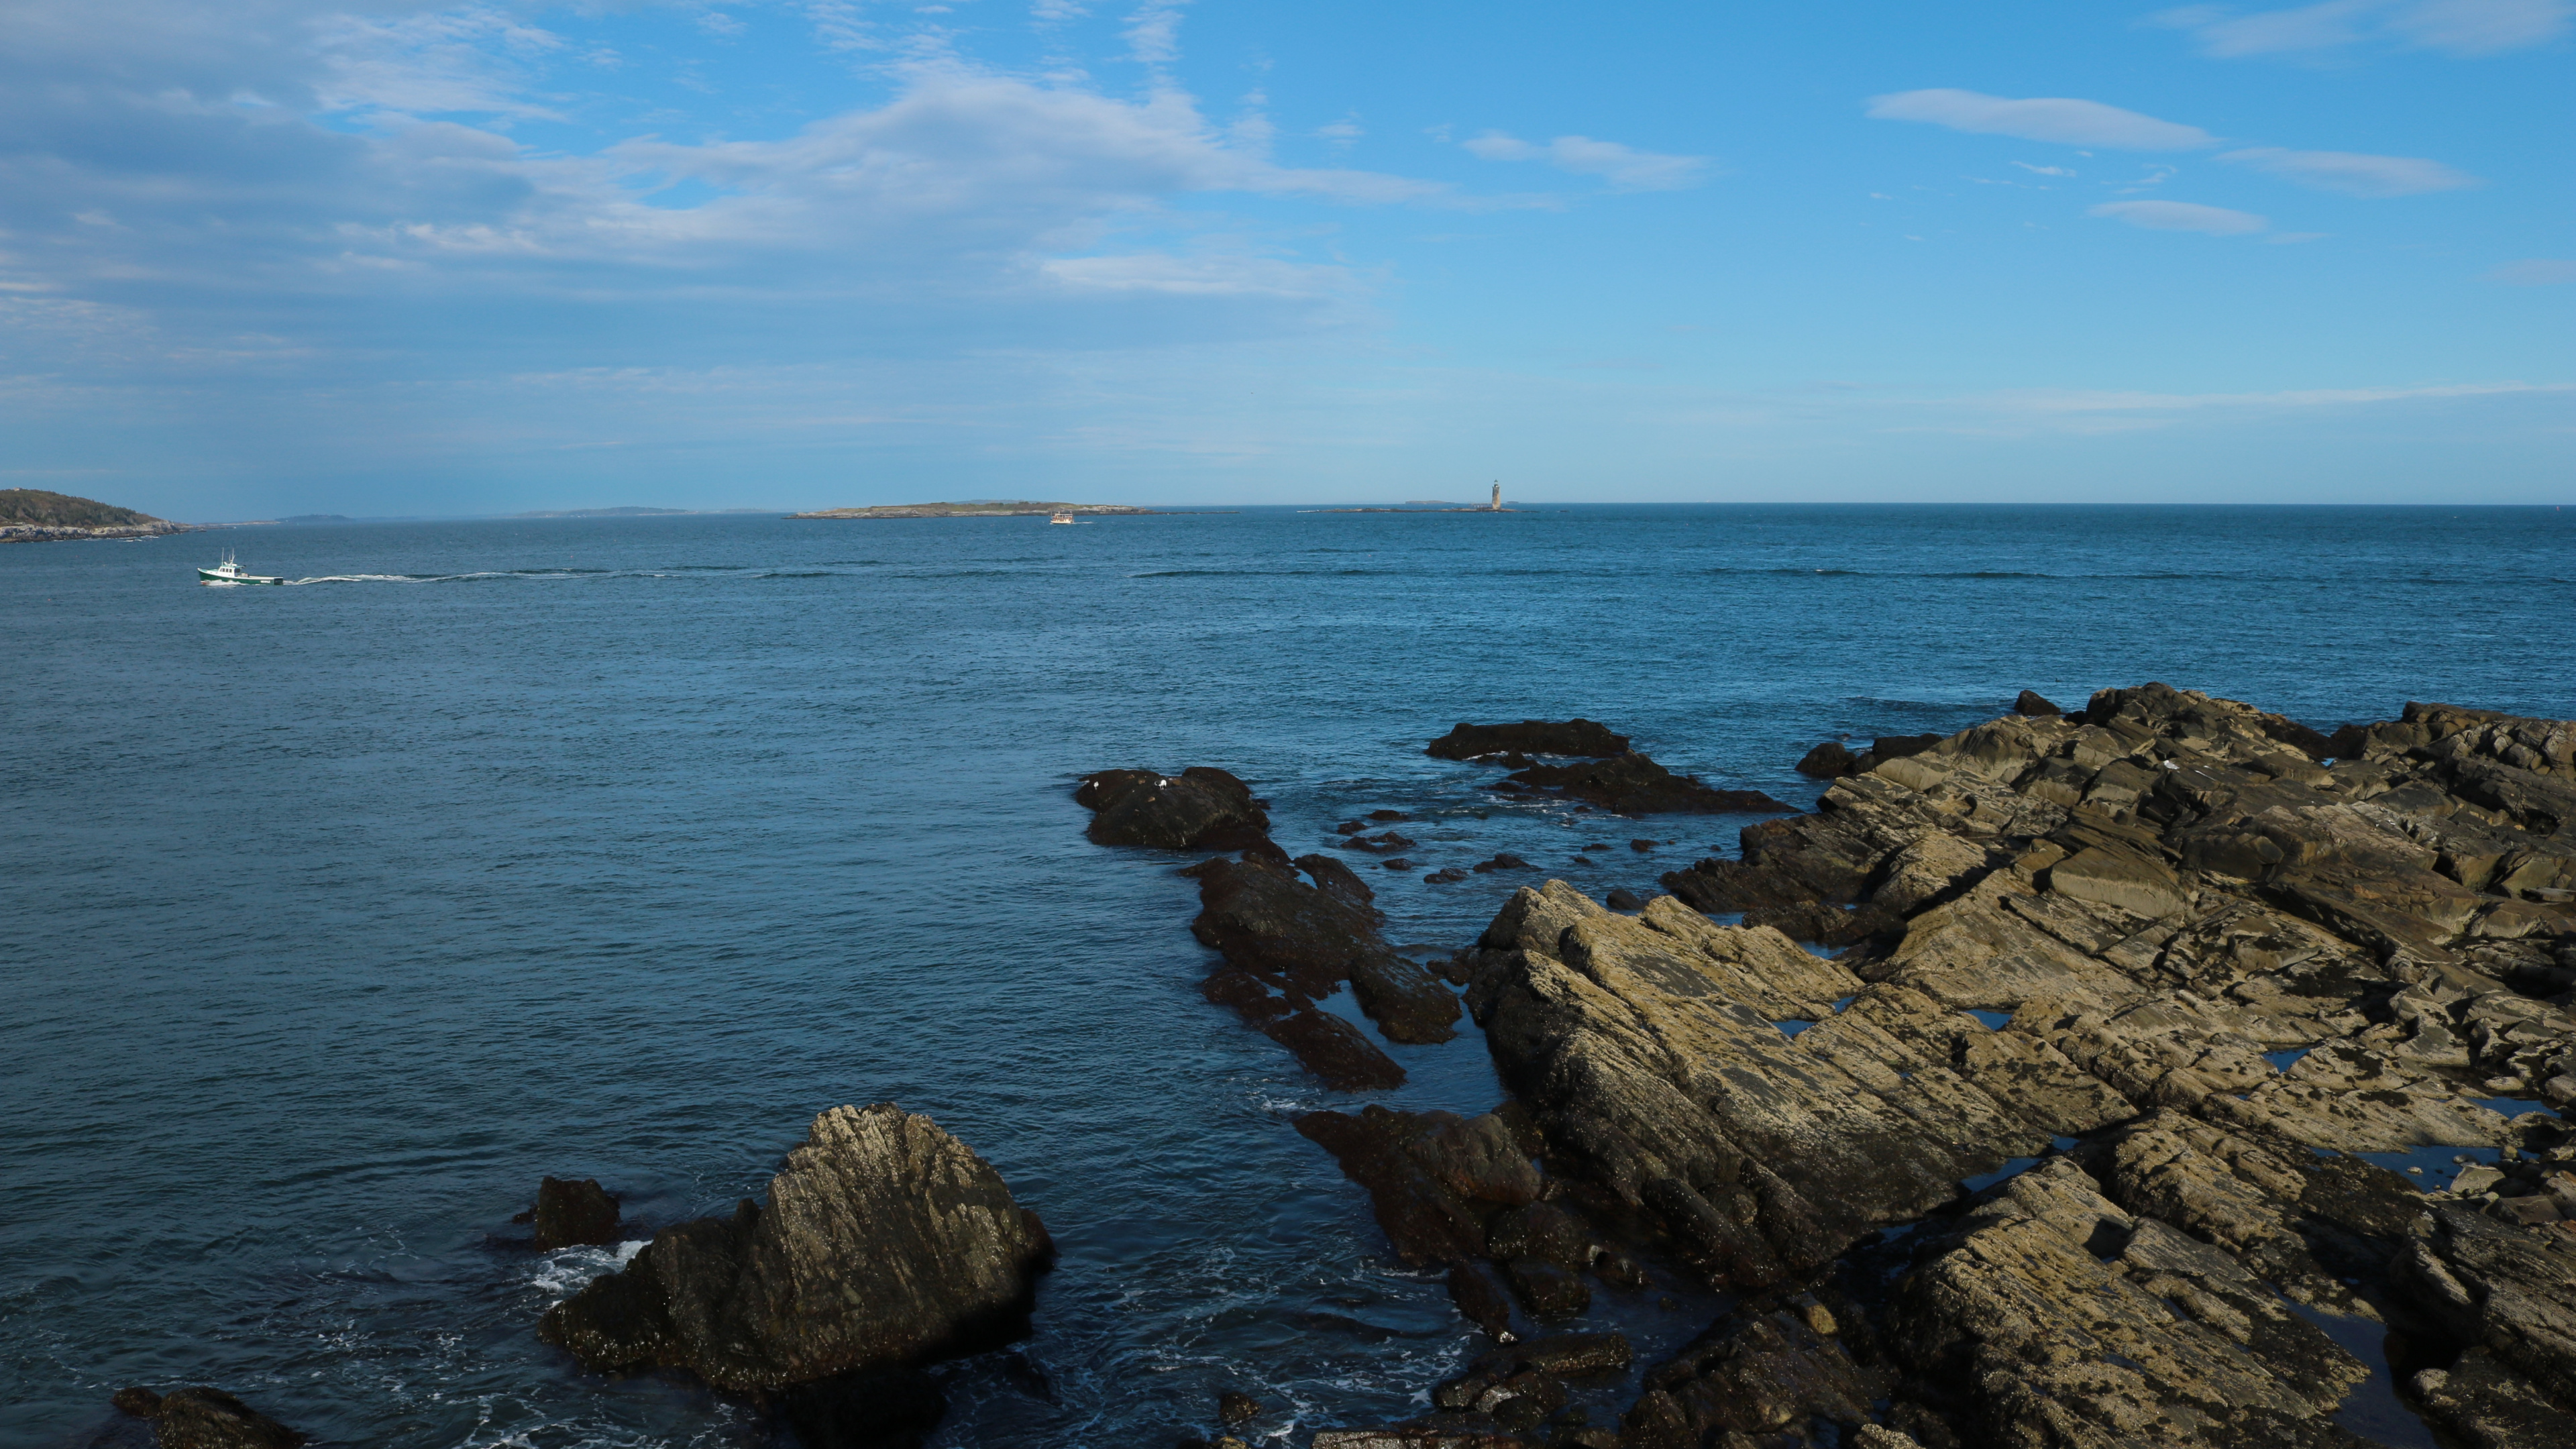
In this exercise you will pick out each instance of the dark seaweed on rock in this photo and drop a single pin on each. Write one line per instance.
(1632, 784)
(203, 1418)
(885, 1243)
(1201, 808)
(569, 1212)
(1301, 943)
(1529, 737)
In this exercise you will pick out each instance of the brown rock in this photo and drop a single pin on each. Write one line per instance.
(885, 1242)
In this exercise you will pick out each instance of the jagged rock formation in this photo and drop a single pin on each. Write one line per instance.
(2182, 955)
(571, 1212)
(203, 1418)
(885, 1243)
(1529, 737)
(1199, 809)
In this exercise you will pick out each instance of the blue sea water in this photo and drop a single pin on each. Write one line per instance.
(339, 914)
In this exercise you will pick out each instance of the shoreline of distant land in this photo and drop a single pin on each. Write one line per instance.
(980, 508)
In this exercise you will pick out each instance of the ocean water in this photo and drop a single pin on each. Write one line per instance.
(340, 914)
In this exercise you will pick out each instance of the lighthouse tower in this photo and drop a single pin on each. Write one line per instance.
(1498, 497)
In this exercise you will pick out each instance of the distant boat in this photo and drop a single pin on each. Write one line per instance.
(229, 572)
(1061, 517)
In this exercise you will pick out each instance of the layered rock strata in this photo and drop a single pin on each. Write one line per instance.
(2061, 1153)
(885, 1243)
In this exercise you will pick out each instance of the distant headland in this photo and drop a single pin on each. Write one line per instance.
(33, 515)
(632, 512)
(976, 508)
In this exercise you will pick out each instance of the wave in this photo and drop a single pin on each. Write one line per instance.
(468, 577)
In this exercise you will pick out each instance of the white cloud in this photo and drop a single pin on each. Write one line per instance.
(2182, 216)
(2535, 272)
(2070, 122)
(2454, 27)
(2352, 172)
(1624, 168)
(2044, 170)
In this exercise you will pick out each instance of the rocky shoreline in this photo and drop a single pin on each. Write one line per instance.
(2167, 1072)
(2070, 1143)
(50, 533)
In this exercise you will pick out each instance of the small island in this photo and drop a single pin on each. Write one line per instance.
(978, 508)
(33, 515)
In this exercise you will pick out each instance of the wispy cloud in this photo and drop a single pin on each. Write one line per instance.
(2068, 122)
(2041, 412)
(2352, 172)
(2453, 27)
(2182, 216)
(1625, 168)
(2535, 272)
(475, 61)
(1154, 32)
(2113, 401)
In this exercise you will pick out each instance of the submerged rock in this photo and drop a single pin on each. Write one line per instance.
(885, 1243)
(1335, 879)
(1632, 784)
(573, 1212)
(1338, 1053)
(203, 1418)
(1302, 943)
(1198, 809)
(1529, 737)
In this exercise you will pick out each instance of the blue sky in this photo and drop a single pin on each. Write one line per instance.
(301, 256)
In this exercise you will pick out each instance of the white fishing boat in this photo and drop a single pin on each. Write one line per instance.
(1061, 517)
(229, 572)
